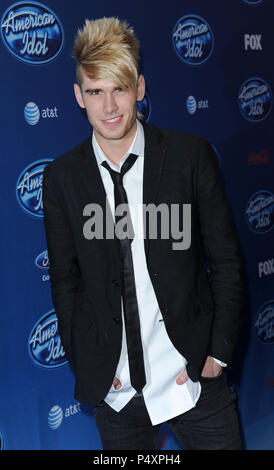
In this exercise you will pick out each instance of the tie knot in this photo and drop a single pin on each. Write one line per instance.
(115, 175)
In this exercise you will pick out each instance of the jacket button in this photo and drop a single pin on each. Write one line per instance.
(116, 320)
(115, 282)
(155, 274)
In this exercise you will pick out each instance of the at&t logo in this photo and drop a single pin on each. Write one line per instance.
(255, 99)
(192, 39)
(32, 32)
(29, 188)
(192, 105)
(32, 113)
(45, 346)
(56, 415)
(260, 211)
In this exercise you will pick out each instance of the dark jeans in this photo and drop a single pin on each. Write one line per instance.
(212, 424)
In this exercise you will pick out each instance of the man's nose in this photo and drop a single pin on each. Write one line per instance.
(110, 105)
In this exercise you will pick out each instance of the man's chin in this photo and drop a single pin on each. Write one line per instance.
(116, 133)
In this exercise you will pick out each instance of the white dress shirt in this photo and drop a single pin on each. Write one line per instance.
(163, 397)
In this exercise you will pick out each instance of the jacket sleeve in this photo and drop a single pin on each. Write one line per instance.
(223, 253)
(63, 270)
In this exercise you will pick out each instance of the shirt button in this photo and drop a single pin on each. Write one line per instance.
(115, 282)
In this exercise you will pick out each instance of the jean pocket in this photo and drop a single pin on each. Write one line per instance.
(99, 406)
(211, 379)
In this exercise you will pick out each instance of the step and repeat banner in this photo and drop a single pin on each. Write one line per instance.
(209, 70)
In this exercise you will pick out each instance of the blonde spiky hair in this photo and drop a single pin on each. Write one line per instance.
(106, 48)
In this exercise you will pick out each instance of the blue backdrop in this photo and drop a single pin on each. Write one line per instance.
(208, 69)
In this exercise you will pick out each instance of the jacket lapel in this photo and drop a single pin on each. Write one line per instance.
(90, 184)
(155, 153)
(91, 178)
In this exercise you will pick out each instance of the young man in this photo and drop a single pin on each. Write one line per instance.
(147, 332)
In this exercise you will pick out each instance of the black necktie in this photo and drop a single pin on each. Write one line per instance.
(131, 314)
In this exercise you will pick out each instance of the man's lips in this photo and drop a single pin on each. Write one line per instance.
(112, 122)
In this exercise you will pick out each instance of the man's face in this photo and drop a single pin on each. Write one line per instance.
(111, 110)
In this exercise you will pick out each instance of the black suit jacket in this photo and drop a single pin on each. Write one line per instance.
(201, 313)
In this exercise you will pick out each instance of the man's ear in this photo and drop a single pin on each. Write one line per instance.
(78, 95)
(141, 88)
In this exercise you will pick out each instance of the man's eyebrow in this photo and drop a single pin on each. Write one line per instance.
(88, 90)
(98, 90)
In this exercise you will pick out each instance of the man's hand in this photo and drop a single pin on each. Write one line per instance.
(116, 383)
(211, 369)
(182, 378)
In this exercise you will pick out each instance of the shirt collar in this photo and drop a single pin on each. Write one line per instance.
(136, 147)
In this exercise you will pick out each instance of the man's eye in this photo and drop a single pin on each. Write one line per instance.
(93, 92)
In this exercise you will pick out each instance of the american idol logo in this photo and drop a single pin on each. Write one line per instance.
(144, 107)
(31, 113)
(192, 39)
(1, 440)
(255, 99)
(45, 346)
(29, 188)
(264, 324)
(32, 32)
(260, 211)
(217, 153)
(253, 2)
(42, 260)
(55, 417)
